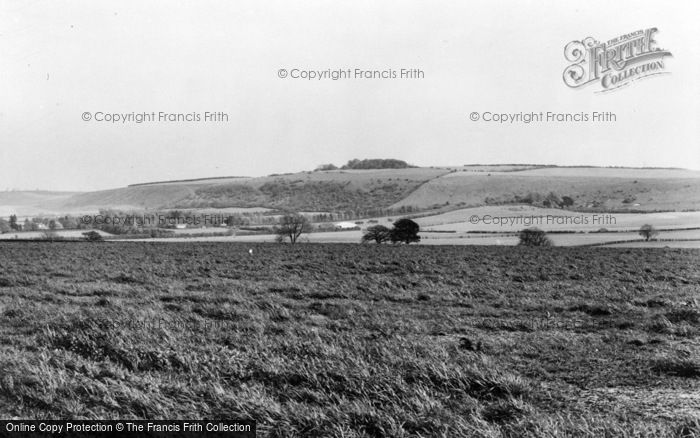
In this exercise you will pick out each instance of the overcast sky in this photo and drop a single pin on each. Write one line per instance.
(60, 59)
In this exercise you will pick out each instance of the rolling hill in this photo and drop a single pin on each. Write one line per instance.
(409, 189)
(602, 189)
(28, 203)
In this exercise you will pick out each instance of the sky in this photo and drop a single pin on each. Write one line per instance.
(63, 59)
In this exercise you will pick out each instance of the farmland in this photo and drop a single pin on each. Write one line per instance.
(499, 225)
(355, 340)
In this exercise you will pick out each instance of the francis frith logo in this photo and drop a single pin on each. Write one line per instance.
(614, 63)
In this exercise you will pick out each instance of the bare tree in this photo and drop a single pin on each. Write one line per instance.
(648, 232)
(291, 226)
(377, 233)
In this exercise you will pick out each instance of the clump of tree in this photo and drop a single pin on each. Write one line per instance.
(404, 231)
(376, 233)
(291, 226)
(534, 237)
(13, 223)
(326, 167)
(648, 232)
(377, 163)
(93, 236)
(69, 223)
(549, 200)
(567, 201)
(552, 200)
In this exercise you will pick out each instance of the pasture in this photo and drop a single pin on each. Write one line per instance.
(338, 340)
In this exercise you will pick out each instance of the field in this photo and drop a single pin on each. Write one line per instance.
(550, 219)
(672, 239)
(321, 340)
(567, 228)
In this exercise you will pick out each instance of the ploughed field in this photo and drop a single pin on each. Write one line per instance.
(355, 340)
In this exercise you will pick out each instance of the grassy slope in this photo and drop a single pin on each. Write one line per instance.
(337, 340)
(316, 191)
(148, 196)
(653, 190)
(25, 203)
(607, 188)
(305, 191)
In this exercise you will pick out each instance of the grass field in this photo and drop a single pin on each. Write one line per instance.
(672, 239)
(355, 341)
(550, 219)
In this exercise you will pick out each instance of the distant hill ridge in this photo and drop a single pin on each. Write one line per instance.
(185, 180)
(390, 163)
(402, 189)
(575, 166)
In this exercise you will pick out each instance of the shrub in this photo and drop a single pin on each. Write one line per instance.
(648, 232)
(93, 236)
(534, 237)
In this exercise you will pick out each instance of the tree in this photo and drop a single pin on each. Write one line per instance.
(13, 223)
(388, 163)
(68, 222)
(406, 231)
(377, 233)
(534, 237)
(326, 167)
(648, 232)
(93, 236)
(29, 225)
(552, 200)
(4, 226)
(291, 226)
